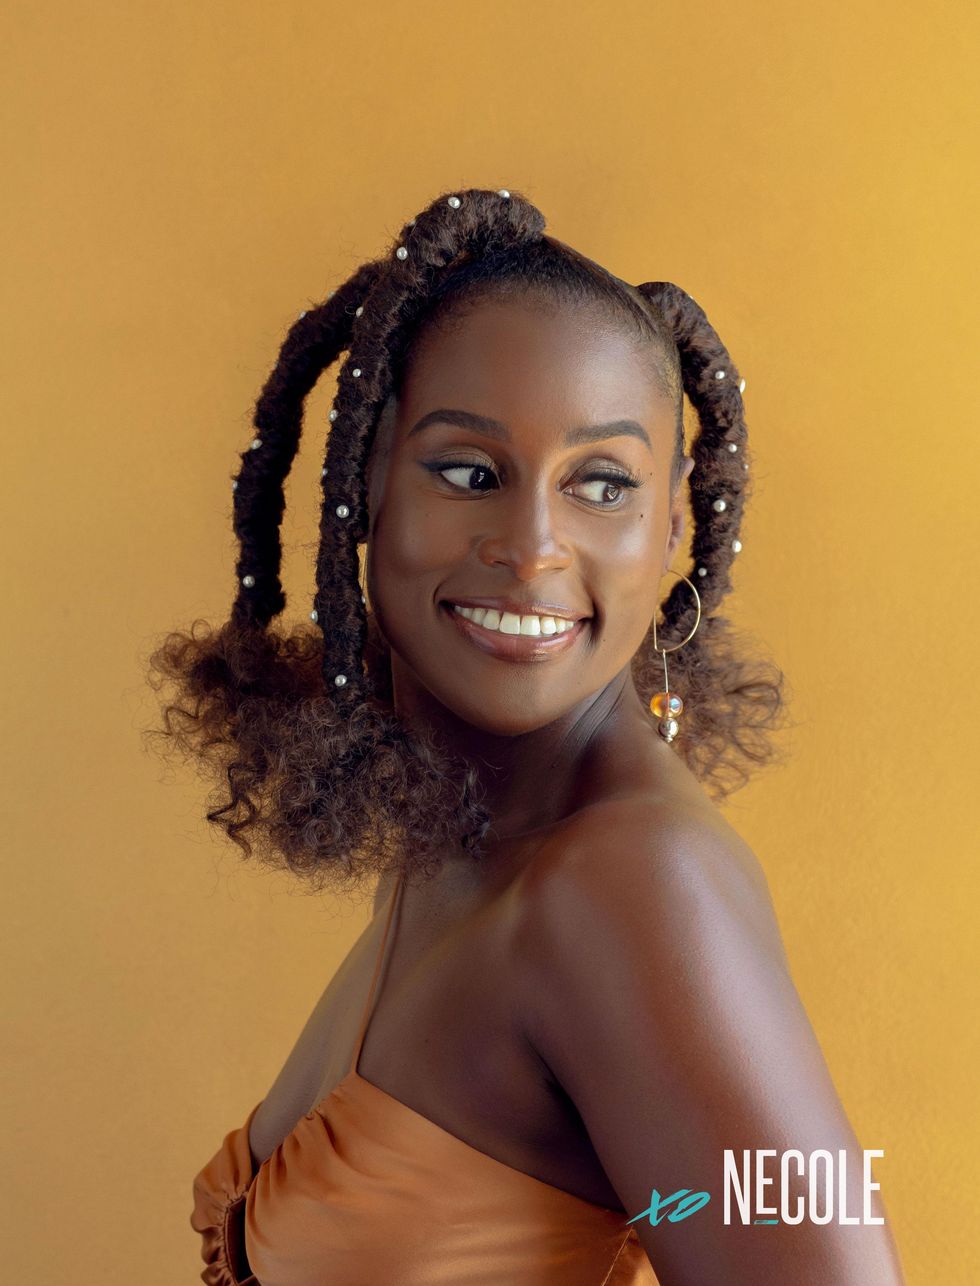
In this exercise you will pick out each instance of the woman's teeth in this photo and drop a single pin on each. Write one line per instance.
(510, 623)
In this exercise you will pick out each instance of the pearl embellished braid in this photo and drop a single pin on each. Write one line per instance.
(705, 368)
(313, 342)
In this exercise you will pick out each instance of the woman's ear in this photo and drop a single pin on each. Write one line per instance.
(678, 512)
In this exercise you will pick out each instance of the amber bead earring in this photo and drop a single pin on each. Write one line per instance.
(667, 706)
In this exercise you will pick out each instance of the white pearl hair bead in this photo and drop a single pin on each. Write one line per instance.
(745, 465)
(411, 223)
(332, 416)
(342, 511)
(302, 314)
(323, 472)
(331, 295)
(340, 680)
(248, 581)
(719, 375)
(356, 372)
(702, 571)
(741, 386)
(455, 202)
(732, 446)
(313, 615)
(719, 506)
(358, 311)
(234, 485)
(504, 193)
(736, 545)
(401, 253)
(256, 443)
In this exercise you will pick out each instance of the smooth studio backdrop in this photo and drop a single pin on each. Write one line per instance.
(181, 180)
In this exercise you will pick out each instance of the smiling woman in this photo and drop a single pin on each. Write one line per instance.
(507, 451)
(576, 380)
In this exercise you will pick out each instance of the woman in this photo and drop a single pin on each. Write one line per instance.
(573, 998)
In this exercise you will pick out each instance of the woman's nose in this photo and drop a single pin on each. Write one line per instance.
(526, 535)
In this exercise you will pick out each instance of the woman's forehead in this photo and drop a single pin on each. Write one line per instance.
(561, 367)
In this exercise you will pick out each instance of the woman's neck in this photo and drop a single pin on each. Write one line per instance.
(533, 780)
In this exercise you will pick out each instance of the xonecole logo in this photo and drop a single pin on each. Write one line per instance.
(826, 1190)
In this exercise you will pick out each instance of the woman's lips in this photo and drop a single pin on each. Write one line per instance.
(515, 647)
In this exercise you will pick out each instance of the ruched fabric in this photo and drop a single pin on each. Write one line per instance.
(220, 1192)
(366, 1191)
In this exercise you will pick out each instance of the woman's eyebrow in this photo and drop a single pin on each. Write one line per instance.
(494, 429)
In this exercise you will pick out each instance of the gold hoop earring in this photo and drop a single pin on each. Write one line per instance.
(667, 706)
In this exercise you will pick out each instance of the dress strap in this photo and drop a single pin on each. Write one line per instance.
(395, 898)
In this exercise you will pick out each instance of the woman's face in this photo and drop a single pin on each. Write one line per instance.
(483, 487)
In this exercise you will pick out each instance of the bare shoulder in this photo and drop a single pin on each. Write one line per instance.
(676, 862)
(653, 986)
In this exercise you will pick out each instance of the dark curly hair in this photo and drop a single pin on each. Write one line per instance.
(299, 727)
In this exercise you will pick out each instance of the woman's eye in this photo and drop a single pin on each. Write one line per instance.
(604, 481)
(602, 486)
(464, 471)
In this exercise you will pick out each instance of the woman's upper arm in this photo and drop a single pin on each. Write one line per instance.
(655, 987)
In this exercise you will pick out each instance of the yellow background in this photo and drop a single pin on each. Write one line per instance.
(180, 181)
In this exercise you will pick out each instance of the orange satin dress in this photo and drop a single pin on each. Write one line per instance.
(365, 1191)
